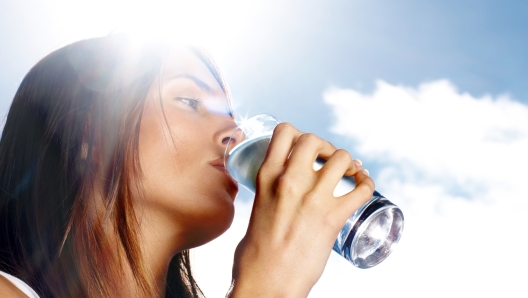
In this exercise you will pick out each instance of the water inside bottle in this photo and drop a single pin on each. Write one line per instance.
(245, 160)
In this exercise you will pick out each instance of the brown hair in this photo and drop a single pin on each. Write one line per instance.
(81, 101)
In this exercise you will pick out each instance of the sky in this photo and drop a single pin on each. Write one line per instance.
(430, 95)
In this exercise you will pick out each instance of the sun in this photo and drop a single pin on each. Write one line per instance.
(213, 25)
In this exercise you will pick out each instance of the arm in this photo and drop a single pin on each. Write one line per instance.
(295, 218)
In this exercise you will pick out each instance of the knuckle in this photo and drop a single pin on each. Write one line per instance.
(268, 170)
(284, 127)
(343, 155)
(263, 173)
(264, 169)
(285, 185)
(366, 189)
(309, 138)
(311, 198)
(371, 184)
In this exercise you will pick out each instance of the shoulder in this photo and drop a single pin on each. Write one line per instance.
(11, 286)
(8, 289)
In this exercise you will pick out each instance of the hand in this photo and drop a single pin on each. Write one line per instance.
(295, 218)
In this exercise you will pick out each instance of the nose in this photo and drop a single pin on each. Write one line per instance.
(228, 136)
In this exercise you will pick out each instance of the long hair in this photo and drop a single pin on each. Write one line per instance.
(76, 114)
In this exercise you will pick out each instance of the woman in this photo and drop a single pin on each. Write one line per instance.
(111, 170)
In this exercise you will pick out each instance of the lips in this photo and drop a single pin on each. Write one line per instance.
(233, 185)
(219, 164)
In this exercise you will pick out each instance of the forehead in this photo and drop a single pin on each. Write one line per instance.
(181, 60)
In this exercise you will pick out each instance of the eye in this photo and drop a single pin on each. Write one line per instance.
(191, 102)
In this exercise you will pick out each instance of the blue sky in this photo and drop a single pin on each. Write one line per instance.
(431, 95)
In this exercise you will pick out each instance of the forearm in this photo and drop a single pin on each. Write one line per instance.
(266, 287)
(265, 269)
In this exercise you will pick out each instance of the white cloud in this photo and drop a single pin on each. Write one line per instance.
(434, 133)
(456, 165)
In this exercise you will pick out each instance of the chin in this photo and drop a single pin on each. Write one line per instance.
(210, 227)
(224, 222)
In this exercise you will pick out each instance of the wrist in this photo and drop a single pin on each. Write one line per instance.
(269, 287)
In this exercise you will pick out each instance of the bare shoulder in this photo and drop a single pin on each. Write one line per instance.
(8, 289)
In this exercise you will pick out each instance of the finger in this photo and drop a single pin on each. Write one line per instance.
(358, 167)
(284, 136)
(337, 166)
(350, 202)
(304, 152)
(282, 140)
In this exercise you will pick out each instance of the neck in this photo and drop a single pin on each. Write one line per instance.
(157, 249)
(159, 240)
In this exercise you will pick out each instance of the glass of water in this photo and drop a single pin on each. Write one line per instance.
(368, 236)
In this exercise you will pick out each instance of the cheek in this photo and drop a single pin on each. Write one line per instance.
(165, 147)
(166, 162)
(179, 182)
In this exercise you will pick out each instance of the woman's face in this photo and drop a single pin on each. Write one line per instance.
(186, 190)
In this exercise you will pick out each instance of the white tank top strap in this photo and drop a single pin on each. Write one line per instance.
(22, 286)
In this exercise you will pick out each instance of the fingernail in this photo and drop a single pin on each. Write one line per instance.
(358, 162)
(366, 172)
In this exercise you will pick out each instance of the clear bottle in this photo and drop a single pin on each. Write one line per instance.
(368, 236)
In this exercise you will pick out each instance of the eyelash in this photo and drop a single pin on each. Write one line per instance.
(191, 102)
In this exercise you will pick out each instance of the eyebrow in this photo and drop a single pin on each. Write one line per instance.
(201, 84)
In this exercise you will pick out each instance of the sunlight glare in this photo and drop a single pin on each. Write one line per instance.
(214, 25)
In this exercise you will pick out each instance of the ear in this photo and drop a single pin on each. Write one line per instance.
(84, 150)
(91, 141)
